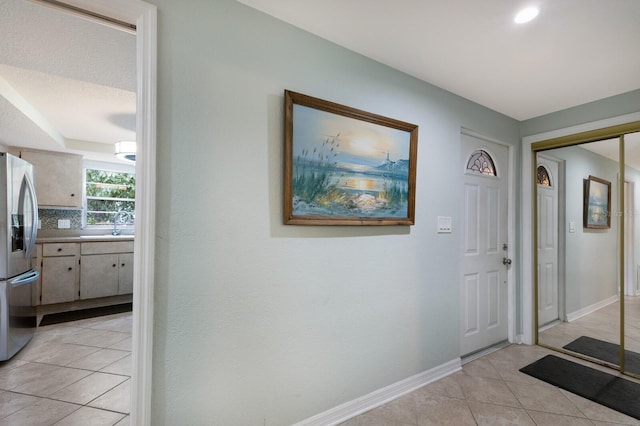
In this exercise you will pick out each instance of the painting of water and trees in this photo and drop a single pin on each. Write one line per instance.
(597, 203)
(347, 167)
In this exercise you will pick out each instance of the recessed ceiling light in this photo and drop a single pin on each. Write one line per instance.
(526, 15)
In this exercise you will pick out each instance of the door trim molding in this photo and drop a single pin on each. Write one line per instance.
(511, 231)
(527, 314)
(144, 16)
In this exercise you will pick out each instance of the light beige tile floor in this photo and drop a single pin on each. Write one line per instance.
(492, 391)
(603, 324)
(78, 373)
(70, 374)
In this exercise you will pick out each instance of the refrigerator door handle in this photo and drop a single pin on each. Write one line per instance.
(26, 278)
(34, 212)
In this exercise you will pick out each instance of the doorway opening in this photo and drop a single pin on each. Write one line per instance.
(143, 17)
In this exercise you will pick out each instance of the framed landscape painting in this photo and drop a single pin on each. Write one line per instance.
(344, 166)
(597, 203)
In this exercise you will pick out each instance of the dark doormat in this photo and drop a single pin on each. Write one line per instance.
(611, 391)
(605, 351)
(85, 313)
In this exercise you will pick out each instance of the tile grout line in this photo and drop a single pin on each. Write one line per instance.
(95, 328)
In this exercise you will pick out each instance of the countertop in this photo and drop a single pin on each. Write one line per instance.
(83, 238)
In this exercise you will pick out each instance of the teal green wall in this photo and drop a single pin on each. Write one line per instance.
(257, 323)
(591, 262)
(593, 111)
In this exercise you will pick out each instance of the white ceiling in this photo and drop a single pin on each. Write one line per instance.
(610, 148)
(67, 84)
(576, 51)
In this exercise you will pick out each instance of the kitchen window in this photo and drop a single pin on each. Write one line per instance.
(106, 193)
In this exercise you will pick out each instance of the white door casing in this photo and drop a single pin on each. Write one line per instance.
(548, 291)
(484, 241)
(144, 16)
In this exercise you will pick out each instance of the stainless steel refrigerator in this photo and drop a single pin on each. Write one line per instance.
(18, 227)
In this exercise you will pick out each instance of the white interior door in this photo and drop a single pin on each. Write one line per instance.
(548, 295)
(483, 276)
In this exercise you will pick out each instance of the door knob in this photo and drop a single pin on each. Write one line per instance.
(506, 261)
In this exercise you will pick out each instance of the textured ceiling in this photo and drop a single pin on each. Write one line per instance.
(68, 83)
(75, 79)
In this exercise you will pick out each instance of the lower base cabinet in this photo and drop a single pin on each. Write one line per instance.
(59, 279)
(59, 272)
(98, 276)
(81, 271)
(125, 273)
(106, 269)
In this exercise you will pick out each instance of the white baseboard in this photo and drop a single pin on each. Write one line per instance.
(350, 409)
(591, 308)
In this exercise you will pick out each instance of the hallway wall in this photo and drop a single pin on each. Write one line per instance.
(257, 323)
(591, 261)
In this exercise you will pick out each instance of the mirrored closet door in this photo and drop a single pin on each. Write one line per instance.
(588, 247)
(631, 249)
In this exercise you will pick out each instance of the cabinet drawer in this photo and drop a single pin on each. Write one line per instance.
(59, 249)
(107, 247)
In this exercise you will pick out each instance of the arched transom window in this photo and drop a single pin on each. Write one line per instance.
(481, 162)
(544, 178)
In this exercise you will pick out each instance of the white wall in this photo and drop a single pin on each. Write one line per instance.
(257, 323)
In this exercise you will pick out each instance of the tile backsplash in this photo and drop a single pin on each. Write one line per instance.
(49, 218)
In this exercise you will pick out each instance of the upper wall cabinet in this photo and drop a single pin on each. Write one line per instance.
(58, 178)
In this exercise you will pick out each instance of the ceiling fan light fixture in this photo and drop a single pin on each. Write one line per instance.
(126, 150)
(526, 15)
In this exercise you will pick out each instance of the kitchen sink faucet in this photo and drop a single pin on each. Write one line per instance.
(128, 216)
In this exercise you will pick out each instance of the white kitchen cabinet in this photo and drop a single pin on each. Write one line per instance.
(98, 276)
(106, 269)
(59, 269)
(125, 273)
(58, 178)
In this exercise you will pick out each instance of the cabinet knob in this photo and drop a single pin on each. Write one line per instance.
(114, 265)
(73, 195)
(70, 268)
(122, 264)
(59, 249)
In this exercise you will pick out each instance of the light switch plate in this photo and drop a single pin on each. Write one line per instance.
(444, 224)
(64, 223)
(572, 226)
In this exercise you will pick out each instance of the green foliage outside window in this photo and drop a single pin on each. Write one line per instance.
(107, 193)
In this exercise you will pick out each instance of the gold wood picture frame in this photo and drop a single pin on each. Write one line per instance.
(345, 166)
(597, 203)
